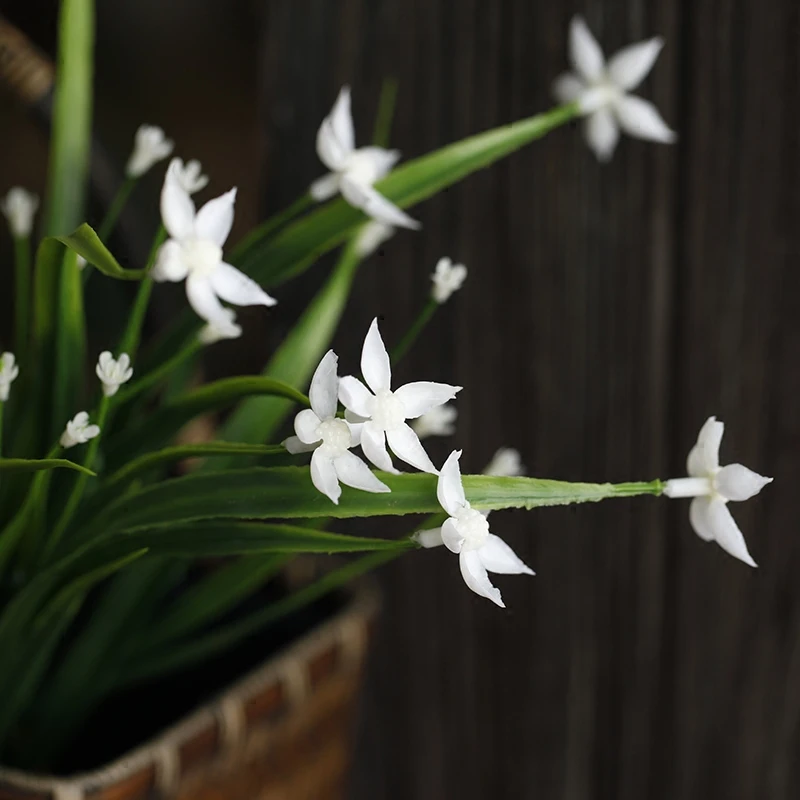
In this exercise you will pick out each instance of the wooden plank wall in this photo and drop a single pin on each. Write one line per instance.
(609, 310)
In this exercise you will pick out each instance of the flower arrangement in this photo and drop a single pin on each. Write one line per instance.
(93, 518)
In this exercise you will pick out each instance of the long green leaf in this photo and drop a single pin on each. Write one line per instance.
(287, 493)
(37, 464)
(85, 242)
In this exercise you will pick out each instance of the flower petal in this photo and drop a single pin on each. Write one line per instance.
(698, 518)
(235, 287)
(203, 300)
(704, 456)
(356, 398)
(640, 118)
(429, 538)
(584, 51)
(352, 471)
(215, 218)
(177, 208)
(305, 426)
(295, 446)
(169, 264)
(451, 536)
(375, 365)
(341, 118)
(602, 133)
(498, 557)
(474, 574)
(421, 396)
(449, 489)
(324, 390)
(567, 88)
(325, 187)
(323, 476)
(335, 137)
(375, 205)
(737, 482)
(405, 444)
(726, 531)
(629, 67)
(373, 443)
(379, 160)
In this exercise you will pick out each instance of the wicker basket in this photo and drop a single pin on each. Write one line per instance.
(281, 733)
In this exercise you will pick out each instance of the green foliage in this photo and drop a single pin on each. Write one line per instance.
(37, 464)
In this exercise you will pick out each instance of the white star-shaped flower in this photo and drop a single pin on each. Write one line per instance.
(214, 332)
(113, 373)
(190, 175)
(149, 147)
(384, 412)
(466, 532)
(79, 431)
(601, 91)
(505, 463)
(331, 438)
(19, 207)
(447, 278)
(712, 487)
(194, 253)
(439, 421)
(354, 171)
(8, 373)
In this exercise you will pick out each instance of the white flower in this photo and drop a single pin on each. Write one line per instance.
(215, 331)
(447, 278)
(354, 171)
(601, 91)
(19, 207)
(194, 253)
(113, 373)
(371, 237)
(8, 372)
(330, 438)
(439, 421)
(149, 147)
(712, 487)
(466, 532)
(190, 175)
(78, 430)
(505, 463)
(384, 412)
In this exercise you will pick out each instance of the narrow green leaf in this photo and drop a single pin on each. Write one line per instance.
(36, 464)
(85, 242)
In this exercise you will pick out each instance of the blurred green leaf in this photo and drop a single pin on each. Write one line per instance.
(36, 464)
(85, 242)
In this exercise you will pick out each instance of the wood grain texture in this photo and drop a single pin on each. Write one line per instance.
(609, 310)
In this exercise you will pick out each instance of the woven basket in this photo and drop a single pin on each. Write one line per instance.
(281, 733)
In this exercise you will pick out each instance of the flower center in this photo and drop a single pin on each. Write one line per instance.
(361, 169)
(388, 412)
(474, 527)
(335, 435)
(201, 256)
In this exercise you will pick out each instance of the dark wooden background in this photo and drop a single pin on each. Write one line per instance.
(608, 311)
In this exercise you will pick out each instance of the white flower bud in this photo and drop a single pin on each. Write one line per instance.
(19, 207)
(150, 146)
(78, 431)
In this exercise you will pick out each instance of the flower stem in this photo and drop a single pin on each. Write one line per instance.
(22, 304)
(115, 209)
(2, 406)
(428, 310)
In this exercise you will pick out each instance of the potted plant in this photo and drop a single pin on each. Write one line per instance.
(152, 640)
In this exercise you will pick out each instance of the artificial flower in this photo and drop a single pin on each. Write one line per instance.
(19, 207)
(319, 429)
(384, 412)
(113, 373)
(194, 253)
(78, 430)
(354, 171)
(439, 421)
(8, 373)
(149, 147)
(602, 91)
(214, 332)
(712, 487)
(466, 532)
(447, 278)
(505, 463)
(190, 175)
(371, 237)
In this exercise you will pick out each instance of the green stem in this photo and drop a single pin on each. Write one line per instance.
(271, 225)
(2, 406)
(385, 115)
(428, 310)
(77, 490)
(115, 209)
(22, 306)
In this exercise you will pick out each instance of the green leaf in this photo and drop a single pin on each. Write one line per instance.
(85, 242)
(167, 421)
(36, 464)
(257, 419)
(287, 493)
